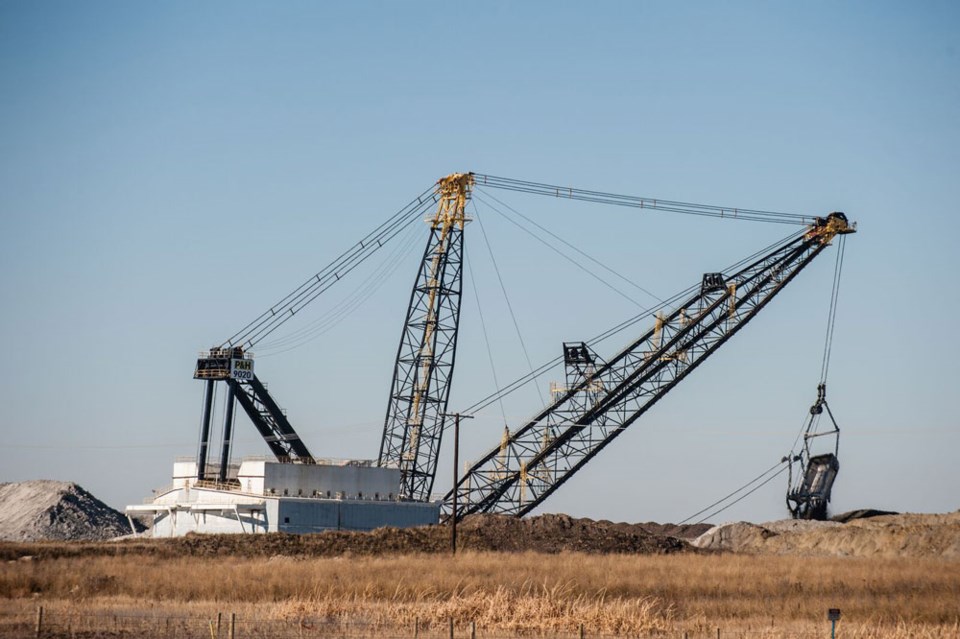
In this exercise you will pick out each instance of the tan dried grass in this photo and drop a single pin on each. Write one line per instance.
(524, 593)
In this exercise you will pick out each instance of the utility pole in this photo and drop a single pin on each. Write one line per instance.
(456, 476)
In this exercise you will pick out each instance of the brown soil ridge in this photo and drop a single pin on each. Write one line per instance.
(544, 533)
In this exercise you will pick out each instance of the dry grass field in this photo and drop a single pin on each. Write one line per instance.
(504, 594)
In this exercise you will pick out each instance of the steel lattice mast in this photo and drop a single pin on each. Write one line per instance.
(601, 399)
(413, 427)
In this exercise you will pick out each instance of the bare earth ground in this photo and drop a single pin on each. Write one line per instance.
(893, 576)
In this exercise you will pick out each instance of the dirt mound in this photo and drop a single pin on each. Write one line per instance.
(737, 537)
(863, 513)
(680, 531)
(45, 510)
(546, 533)
(798, 525)
(556, 533)
(878, 536)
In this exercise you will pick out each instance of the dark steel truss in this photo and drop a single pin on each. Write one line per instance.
(603, 398)
(270, 422)
(413, 427)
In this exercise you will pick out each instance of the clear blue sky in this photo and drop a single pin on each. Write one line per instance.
(171, 169)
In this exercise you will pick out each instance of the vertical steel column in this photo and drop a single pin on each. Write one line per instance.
(205, 430)
(227, 435)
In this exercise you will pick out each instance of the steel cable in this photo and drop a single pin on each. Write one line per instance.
(726, 497)
(832, 314)
(503, 288)
(632, 201)
(251, 333)
(745, 495)
(270, 324)
(336, 314)
(523, 380)
(563, 241)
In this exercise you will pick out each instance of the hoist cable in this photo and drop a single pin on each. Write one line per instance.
(632, 201)
(726, 497)
(832, 314)
(568, 244)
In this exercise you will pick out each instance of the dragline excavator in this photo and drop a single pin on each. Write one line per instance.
(600, 398)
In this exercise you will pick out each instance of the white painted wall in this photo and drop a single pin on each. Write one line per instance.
(318, 480)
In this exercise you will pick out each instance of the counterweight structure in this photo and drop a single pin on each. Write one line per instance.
(413, 427)
(234, 366)
(604, 398)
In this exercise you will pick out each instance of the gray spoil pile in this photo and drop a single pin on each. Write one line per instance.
(46, 510)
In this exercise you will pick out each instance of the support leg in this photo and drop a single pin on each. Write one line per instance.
(205, 430)
(227, 436)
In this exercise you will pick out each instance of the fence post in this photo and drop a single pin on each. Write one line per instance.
(416, 628)
(718, 633)
(581, 630)
(219, 619)
(39, 619)
(233, 625)
(451, 627)
(473, 630)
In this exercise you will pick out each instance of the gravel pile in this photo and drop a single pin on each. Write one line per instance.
(866, 535)
(46, 510)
